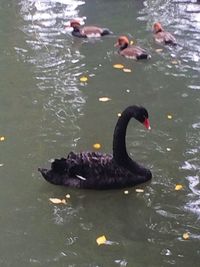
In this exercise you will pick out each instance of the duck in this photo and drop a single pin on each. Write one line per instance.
(161, 36)
(102, 171)
(130, 51)
(87, 31)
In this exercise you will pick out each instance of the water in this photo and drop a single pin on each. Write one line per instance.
(46, 112)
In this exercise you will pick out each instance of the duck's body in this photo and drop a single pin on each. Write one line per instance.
(87, 31)
(163, 37)
(93, 170)
(130, 51)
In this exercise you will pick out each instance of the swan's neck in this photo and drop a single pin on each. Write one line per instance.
(119, 140)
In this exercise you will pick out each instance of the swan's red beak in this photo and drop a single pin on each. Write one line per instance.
(147, 124)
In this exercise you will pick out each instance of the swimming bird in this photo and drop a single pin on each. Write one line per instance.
(161, 36)
(130, 51)
(87, 31)
(94, 170)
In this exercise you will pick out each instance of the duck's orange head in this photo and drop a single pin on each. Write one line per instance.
(75, 23)
(157, 27)
(122, 40)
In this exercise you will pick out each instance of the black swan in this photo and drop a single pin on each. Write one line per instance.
(130, 51)
(93, 170)
(87, 31)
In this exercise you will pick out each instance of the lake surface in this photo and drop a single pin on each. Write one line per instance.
(47, 112)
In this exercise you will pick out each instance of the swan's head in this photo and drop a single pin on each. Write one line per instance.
(157, 27)
(141, 114)
(122, 41)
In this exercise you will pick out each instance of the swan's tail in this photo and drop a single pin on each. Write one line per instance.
(59, 166)
(56, 173)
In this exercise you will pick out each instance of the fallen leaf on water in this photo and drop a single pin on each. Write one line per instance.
(68, 196)
(139, 190)
(2, 138)
(97, 146)
(126, 70)
(168, 149)
(175, 62)
(104, 99)
(126, 192)
(186, 236)
(83, 79)
(58, 201)
(159, 50)
(178, 187)
(169, 116)
(118, 66)
(101, 240)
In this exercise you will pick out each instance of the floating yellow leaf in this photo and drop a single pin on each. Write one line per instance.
(101, 240)
(97, 146)
(175, 62)
(126, 70)
(139, 190)
(159, 50)
(178, 187)
(68, 196)
(83, 79)
(104, 99)
(169, 116)
(186, 236)
(118, 66)
(2, 138)
(58, 201)
(126, 192)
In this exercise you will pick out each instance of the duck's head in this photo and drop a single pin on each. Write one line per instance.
(122, 41)
(75, 23)
(157, 27)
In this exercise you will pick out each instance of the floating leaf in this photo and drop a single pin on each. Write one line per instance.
(186, 236)
(101, 240)
(175, 62)
(126, 70)
(126, 192)
(118, 66)
(97, 146)
(169, 116)
(178, 187)
(68, 196)
(104, 99)
(83, 79)
(159, 50)
(58, 201)
(139, 190)
(168, 149)
(2, 138)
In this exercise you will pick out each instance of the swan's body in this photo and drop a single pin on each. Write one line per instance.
(163, 37)
(130, 51)
(87, 31)
(93, 170)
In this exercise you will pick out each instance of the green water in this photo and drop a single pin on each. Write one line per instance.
(45, 112)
